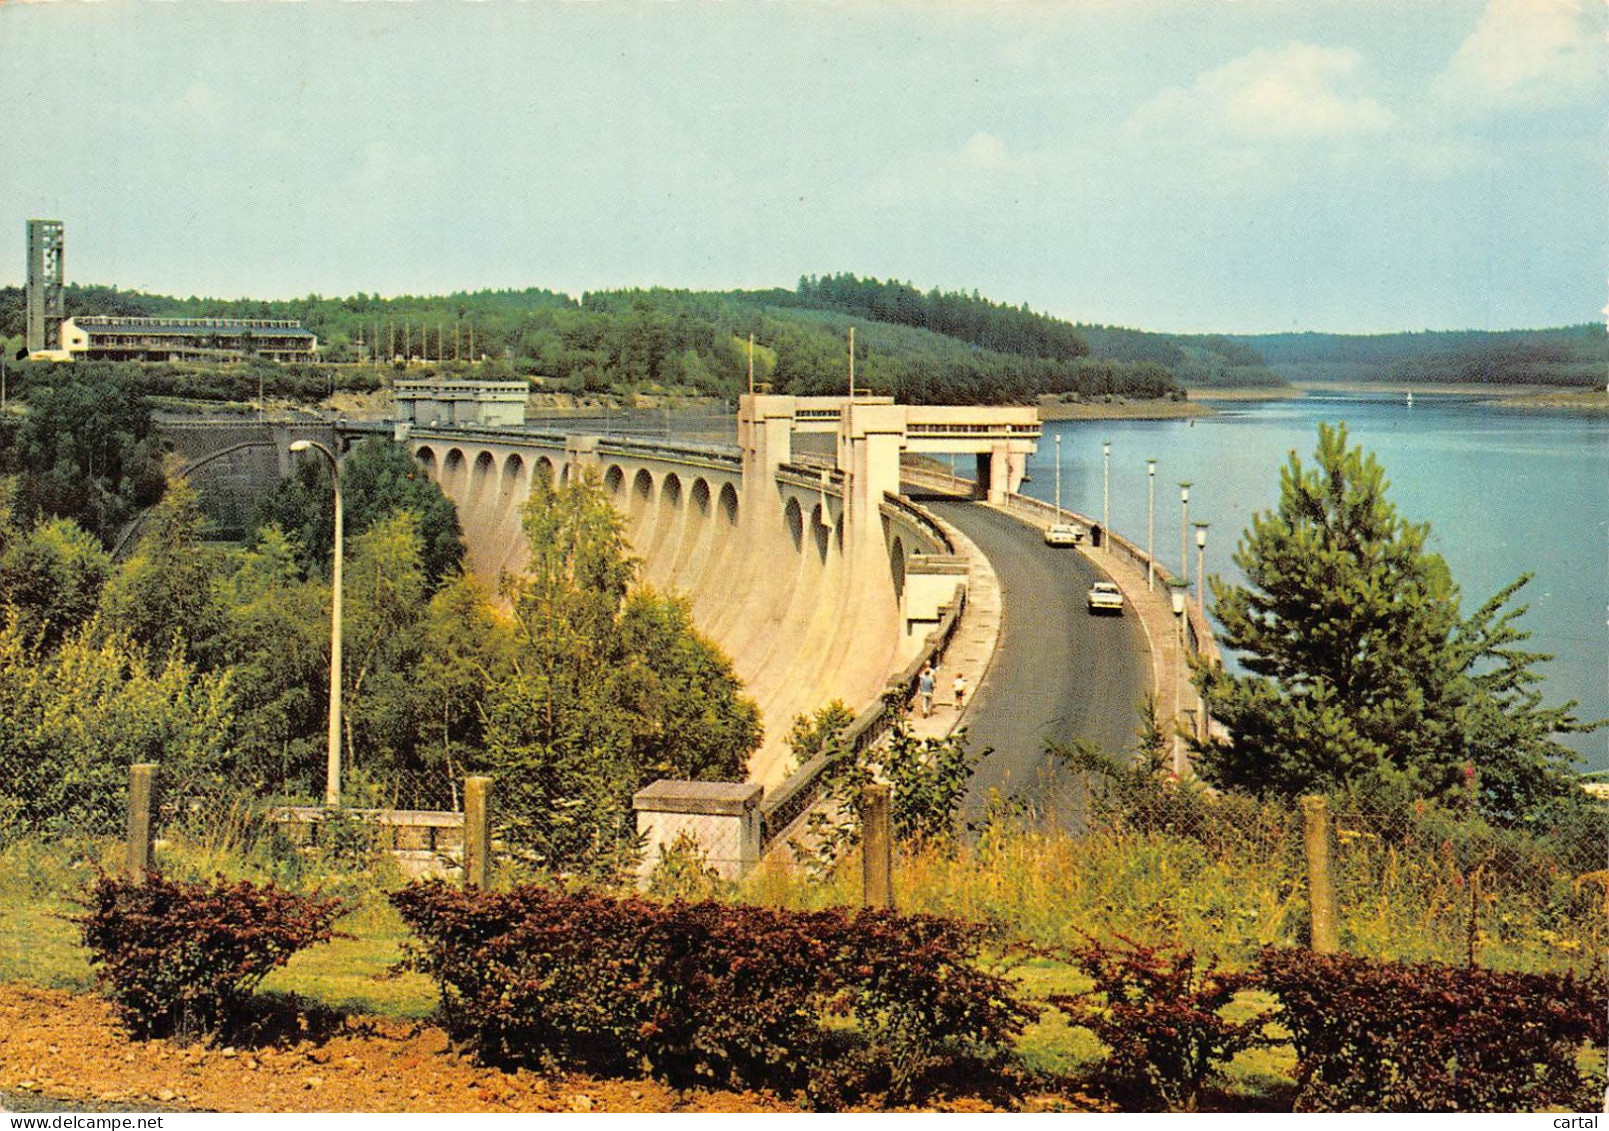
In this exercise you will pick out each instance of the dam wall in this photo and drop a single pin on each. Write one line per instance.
(812, 597)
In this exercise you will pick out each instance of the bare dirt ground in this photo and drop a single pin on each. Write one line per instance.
(68, 1048)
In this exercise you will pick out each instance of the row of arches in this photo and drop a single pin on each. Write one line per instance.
(802, 622)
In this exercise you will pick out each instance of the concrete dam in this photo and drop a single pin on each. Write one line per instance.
(811, 573)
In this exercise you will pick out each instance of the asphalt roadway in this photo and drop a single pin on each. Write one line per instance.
(1059, 673)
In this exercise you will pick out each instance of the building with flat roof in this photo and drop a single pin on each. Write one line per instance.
(115, 338)
(441, 403)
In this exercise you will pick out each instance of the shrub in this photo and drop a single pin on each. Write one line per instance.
(1159, 1015)
(710, 993)
(1390, 1036)
(182, 959)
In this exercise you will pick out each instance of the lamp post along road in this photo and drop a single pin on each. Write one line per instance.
(1106, 495)
(1184, 541)
(1150, 525)
(332, 781)
(1178, 680)
(1201, 571)
(1058, 477)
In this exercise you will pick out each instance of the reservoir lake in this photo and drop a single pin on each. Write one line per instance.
(1506, 492)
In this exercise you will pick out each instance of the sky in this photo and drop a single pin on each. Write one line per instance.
(1217, 165)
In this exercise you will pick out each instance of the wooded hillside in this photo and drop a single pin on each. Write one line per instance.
(1565, 355)
(924, 347)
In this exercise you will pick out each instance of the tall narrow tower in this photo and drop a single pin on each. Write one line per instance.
(46, 302)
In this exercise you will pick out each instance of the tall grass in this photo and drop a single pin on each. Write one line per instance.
(1226, 876)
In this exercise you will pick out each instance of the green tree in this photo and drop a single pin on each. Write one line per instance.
(71, 723)
(378, 478)
(386, 596)
(586, 718)
(1358, 664)
(691, 720)
(162, 597)
(86, 450)
(53, 575)
(275, 638)
(468, 649)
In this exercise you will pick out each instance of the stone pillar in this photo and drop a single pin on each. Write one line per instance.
(722, 817)
(765, 438)
(580, 452)
(1000, 478)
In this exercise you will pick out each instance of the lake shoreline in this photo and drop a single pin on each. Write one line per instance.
(1158, 409)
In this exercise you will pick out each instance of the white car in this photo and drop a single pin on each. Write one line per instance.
(1064, 534)
(1105, 597)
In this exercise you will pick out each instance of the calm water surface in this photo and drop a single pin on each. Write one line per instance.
(1505, 492)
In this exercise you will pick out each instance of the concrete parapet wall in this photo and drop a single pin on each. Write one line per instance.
(424, 842)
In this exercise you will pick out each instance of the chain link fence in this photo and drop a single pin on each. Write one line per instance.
(1111, 851)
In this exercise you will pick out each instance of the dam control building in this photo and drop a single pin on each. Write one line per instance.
(114, 338)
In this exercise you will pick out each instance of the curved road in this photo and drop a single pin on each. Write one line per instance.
(1059, 673)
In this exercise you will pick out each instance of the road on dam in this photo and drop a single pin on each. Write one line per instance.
(1059, 674)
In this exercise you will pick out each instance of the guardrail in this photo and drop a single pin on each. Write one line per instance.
(938, 481)
(802, 789)
(720, 454)
(922, 519)
(397, 830)
(810, 478)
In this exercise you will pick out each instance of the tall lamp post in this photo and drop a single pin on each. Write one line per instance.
(1184, 541)
(1201, 570)
(1178, 678)
(1058, 477)
(332, 786)
(1150, 525)
(1106, 495)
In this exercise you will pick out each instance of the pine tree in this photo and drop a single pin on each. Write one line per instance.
(1358, 665)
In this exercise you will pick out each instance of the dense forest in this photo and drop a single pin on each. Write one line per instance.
(1566, 355)
(926, 347)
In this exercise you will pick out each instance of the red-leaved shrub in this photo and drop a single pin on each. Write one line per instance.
(1159, 1014)
(1372, 1035)
(711, 993)
(181, 959)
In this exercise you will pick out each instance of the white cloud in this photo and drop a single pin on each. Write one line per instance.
(1527, 51)
(984, 165)
(1291, 93)
(986, 151)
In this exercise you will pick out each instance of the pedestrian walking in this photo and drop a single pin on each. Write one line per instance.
(924, 689)
(960, 692)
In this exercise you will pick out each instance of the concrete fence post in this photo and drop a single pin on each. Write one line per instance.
(141, 786)
(477, 831)
(877, 846)
(1323, 911)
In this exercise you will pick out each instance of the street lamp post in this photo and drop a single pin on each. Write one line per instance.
(1184, 541)
(1201, 570)
(1106, 495)
(332, 786)
(1058, 477)
(1150, 525)
(1178, 678)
